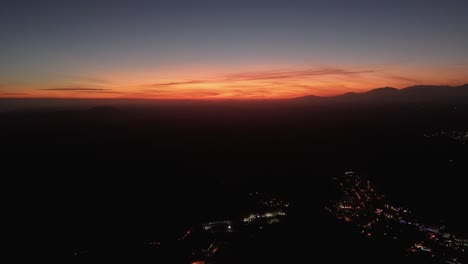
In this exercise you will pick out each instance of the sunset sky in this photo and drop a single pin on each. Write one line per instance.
(221, 49)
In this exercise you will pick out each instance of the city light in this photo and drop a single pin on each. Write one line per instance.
(375, 216)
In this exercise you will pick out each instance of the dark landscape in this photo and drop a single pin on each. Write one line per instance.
(222, 131)
(116, 178)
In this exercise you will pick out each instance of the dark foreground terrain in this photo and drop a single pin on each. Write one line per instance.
(108, 182)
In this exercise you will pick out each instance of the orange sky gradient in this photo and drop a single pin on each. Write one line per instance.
(216, 83)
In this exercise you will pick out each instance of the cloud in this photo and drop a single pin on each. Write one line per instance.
(96, 80)
(183, 93)
(88, 79)
(11, 93)
(265, 75)
(402, 78)
(285, 74)
(74, 89)
(178, 83)
(199, 94)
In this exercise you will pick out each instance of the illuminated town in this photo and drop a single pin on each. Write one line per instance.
(216, 241)
(376, 217)
(456, 135)
(220, 236)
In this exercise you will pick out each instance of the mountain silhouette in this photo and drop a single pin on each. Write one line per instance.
(412, 94)
(383, 91)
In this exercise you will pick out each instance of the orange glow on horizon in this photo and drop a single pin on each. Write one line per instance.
(256, 84)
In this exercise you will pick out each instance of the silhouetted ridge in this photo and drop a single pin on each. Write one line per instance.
(426, 89)
(383, 90)
(310, 98)
(348, 94)
(412, 94)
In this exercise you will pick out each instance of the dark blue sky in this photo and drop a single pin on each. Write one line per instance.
(49, 43)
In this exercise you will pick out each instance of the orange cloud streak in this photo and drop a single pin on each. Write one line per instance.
(270, 84)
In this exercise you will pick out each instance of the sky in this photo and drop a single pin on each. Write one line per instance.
(208, 49)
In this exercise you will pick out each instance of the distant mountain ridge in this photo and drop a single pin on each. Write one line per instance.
(418, 93)
(427, 94)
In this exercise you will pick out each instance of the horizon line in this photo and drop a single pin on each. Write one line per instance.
(225, 98)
